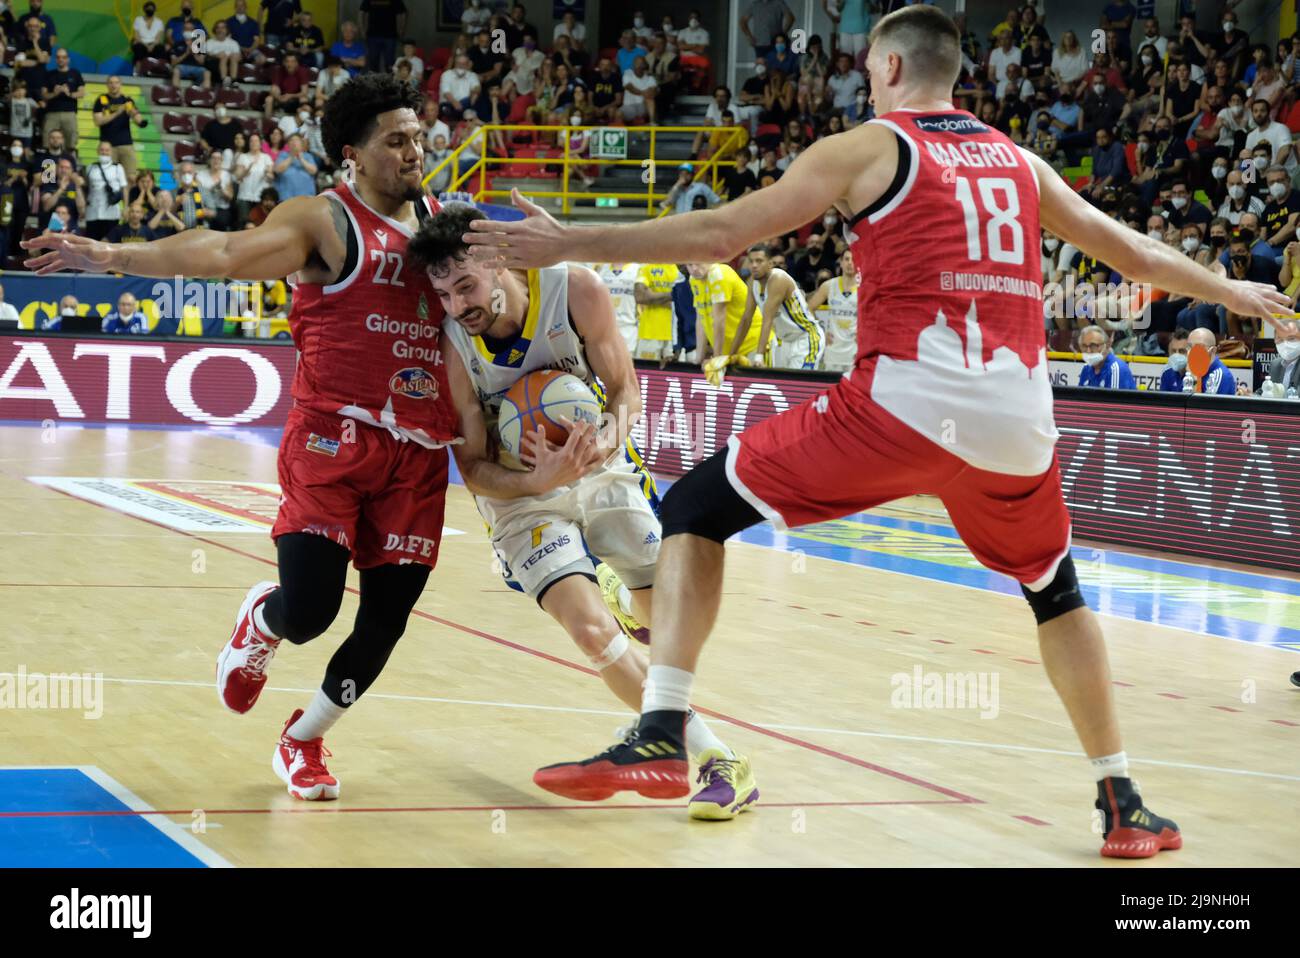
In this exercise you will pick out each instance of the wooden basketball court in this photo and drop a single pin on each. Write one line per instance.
(436, 761)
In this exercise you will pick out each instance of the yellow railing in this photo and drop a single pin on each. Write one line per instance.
(725, 153)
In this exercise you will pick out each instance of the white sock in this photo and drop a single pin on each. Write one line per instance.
(259, 621)
(666, 688)
(1110, 766)
(318, 718)
(699, 737)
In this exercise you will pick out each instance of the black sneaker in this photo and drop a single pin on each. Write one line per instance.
(1131, 829)
(650, 761)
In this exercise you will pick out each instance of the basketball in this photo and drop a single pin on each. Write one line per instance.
(543, 398)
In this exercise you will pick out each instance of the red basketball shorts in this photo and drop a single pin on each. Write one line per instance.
(381, 498)
(841, 453)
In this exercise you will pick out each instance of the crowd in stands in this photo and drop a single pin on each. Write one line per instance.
(1181, 133)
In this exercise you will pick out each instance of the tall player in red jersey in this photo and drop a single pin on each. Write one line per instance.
(949, 393)
(362, 463)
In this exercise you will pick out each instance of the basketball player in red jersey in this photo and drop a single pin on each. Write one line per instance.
(949, 393)
(362, 463)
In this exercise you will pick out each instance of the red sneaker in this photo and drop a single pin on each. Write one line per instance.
(241, 666)
(301, 766)
(1131, 829)
(651, 766)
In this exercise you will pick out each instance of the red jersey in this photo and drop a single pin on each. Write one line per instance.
(950, 300)
(369, 344)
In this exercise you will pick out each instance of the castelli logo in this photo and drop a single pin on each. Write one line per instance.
(414, 383)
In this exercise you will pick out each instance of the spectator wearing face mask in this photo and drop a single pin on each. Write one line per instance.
(1102, 369)
(1285, 369)
(127, 318)
(1248, 229)
(219, 134)
(106, 188)
(1216, 188)
(1184, 208)
(1254, 164)
(68, 307)
(1238, 201)
(190, 208)
(781, 59)
(459, 85)
(1171, 380)
(819, 255)
(1274, 133)
(1281, 211)
(147, 38)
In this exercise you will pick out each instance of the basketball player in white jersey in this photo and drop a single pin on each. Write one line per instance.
(957, 301)
(593, 493)
(620, 280)
(840, 297)
(789, 337)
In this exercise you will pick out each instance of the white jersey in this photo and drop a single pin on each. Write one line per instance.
(611, 511)
(548, 340)
(621, 284)
(795, 329)
(842, 323)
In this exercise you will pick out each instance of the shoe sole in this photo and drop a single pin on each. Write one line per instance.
(224, 654)
(317, 793)
(1139, 843)
(713, 812)
(598, 786)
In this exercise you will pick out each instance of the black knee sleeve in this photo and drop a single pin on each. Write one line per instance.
(313, 573)
(1060, 596)
(703, 503)
(388, 594)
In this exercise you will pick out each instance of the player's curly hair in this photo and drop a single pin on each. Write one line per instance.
(352, 113)
(438, 241)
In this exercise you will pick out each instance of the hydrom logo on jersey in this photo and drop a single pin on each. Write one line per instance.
(414, 383)
(950, 123)
(556, 329)
(422, 310)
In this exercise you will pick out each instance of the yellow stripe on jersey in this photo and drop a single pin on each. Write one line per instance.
(724, 285)
(648, 487)
(530, 321)
(795, 310)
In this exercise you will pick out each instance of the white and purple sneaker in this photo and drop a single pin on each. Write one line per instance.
(729, 787)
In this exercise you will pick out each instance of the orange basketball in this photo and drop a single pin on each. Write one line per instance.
(544, 398)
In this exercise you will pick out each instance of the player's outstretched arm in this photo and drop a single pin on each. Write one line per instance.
(284, 244)
(1138, 258)
(821, 176)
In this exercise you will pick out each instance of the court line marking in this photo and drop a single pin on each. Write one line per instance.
(810, 746)
(136, 806)
(626, 713)
(329, 808)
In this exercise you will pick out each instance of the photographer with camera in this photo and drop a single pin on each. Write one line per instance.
(106, 187)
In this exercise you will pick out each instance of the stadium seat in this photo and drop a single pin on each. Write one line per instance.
(267, 126)
(1130, 157)
(767, 129)
(257, 100)
(611, 52)
(153, 67)
(438, 58)
(233, 98)
(251, 125)
(432, 81)
(200, 122)
(187, 150)
(199, 97)
(165, 95)
(519, 108)
(1292, 121)
(178, 123)
(248, 73)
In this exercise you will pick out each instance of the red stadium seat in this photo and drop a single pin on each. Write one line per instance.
(767, 129)
(165, 95)
(197, 96)
(1292, 121)
(248, 73)
(153, 67)
(233, 97)
(257, 100)
(1130, 157)
(179, 123)
(519, 108)
(438, 58)
(186, 150)
(432, 79)
(200, 122)
(267, 126)
(250, 125)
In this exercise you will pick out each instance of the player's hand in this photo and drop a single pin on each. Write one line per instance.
(68, 251)
(535, 241)
(555, 466)
(1257, 299)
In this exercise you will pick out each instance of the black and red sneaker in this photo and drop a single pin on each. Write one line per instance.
(1131, 829)
(650, 761)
